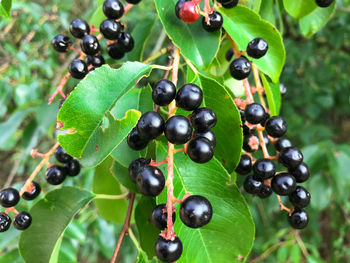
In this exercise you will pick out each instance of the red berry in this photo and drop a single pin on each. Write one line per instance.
(189, 12)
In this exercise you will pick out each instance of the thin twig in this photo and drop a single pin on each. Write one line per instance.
(111, 197)
(258, 85)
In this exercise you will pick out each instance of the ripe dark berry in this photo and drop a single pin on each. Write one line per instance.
(254, 113)
(266, 117)
(159, 217)
(125, 41)
(61, 155)
(200, 150)
(257, 48)
(79, 28)
(72, 167)
(168, 250)
(290, 157)
(298, 219)
(135, 142)
(61, 43)
(240, 68)
(228, 3)
(9, 197)
(208, 134)
(115, 51)
(247, 145)
(113, 9)
(150, 125)
(246, 130)
(150, 181)
(135, 167)
(178, 6)
(96, 61)
(133, 2)
(282, 143)
(283, 183)
(178, 129)
(300, 197)
(189, 12)
(264, 168)
(229, 54)
(78, 69)
(245, 165)
(22, 221)
(324, 3)
(252, 185)
(55, 175)
(189, 97)
(196, 211)
(110, 29)
(265, 191)
(90, 45)
(5, 222)
(33, 193)
(276, 126)
(301, 173)
(203, 119)
(215, 22)
(163, 92)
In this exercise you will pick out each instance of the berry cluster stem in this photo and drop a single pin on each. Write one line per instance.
(258, 84)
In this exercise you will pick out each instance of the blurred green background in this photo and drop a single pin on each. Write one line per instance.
(316, 106)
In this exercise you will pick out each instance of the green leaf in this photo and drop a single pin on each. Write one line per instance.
(105, 183)
(243, 25)
(51, 216)
(313, 22)
(273, 95)
(254, 5)
(121, 173)
(267, 11)
(195, 43)
(299, 8)
(86, 106)
(5, 8)
(230, 233)
(142, 258)
(12, 256)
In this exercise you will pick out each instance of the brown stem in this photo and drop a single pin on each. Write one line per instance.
(60, 88)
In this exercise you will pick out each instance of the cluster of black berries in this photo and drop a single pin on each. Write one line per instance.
(265, 178)
(56, 174)
(111, 28)
(324, 3)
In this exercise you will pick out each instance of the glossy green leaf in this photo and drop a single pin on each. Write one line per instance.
(57, 209)
(195, 43)
(229, 235)
(299, 8)
(267, 11)
(142, 258)
(255, 5)
(5, 8)
(12, 256)
(85, 108)
(273, 95)
(243, 25)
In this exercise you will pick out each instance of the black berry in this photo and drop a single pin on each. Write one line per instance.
(246, 130)
(125, 41)
(168, 250)
(264, 168)
(265, 191)
(5, 222)
(159, 217)
(247, 145)
(61, 155)
(115, 51)
(228, 3)
(133, 2)
(324, 3)
(229, 54)
(252, 185)
(96, 61)
(301, 172)
(135, 167)
(283, 183)
(215, 22)
(163, 92)
(72, 167)
(34, 193)
(298, 219)
(240, 68)
(266, 117)
(113, 9)
(79, 28)
(150, 125)
(189, 97)
(22, 221)
(300, 197)
(9, 197)
(196, 211)
(245, 165)
(55, 175)
(200, 150)
(135, 142)
(254, 113)
(208, 134)
(150, 181)
(290, 157)
(203, 119)
(178, 129)
(282, 143)
(257, 48)
(276, 126)
(61, 43)
(78, 69)
(90, 45)
(178, 6)
(110, 28)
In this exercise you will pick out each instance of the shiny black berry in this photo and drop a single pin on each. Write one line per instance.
(301, 172)
(283, 183)
(90, 45)
(159, 216)
(110, 28)
(263, 121)
(257, 48)
(246, 130)
(276, 126)
(96, 61)
(264, 168)
(9, 197)
(135, 142)
(203, 119)
(61, 155)
(135, 167)
(79, 28)
(78, 69)
(298, 219)
(189, 97)
(72, 167)
(196, 211)
(208, 134)
(22, 221)
(228, 3)
(178, 129)
(61, 43)
(133, 2)
(252, 185)
(150, 125)
(55, 175)
(125, 41)
(113, 9)
(168, 250)
(115, 51)
(178, 6)
(33, 193)
(265, 191)
(150, 181)
(254, 113)
(247, 146)
(240, 68)
(282, 143)
(324, 3)
(300, 197)
(5, 222)
(200, 150)
(245, 165)
(290, 157)
(215, 22)
(163, 92)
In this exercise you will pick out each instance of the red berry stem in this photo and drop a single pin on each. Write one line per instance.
(76, 50)
(60, 87)
(153, 163)
(11, 209)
